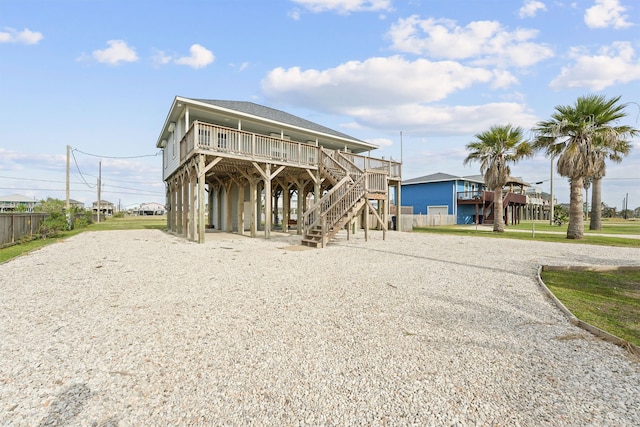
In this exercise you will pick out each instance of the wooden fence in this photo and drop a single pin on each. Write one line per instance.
(433, 220)
(15, 226)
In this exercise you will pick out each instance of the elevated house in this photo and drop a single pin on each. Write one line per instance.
(151, 208)
(15, 202)
(467, 198)
(228, 164)
(105, 207)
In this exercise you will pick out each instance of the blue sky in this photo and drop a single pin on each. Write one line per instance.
(100, 76)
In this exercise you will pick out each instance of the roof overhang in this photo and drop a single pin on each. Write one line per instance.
(206, 112)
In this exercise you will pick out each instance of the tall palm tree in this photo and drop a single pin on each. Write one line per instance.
(581, 136)
(495, 149)
(614, 151)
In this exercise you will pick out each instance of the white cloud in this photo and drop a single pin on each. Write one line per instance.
(392, 92)
(503, 79)
(344, 6)
(378, 81)
(200, 57)
(606, 13)
(26, 36)
(161, 58)
(117, 52)
(613, 64)
(530, 8)
(481, 42)
(381, 142)
(444, 119)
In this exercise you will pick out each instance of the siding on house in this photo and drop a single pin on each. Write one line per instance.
(441, 189)
(420, 196)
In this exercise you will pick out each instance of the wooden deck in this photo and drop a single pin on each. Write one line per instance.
(231, 167)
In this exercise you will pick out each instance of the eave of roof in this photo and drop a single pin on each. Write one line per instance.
(439, 177)
(265, 114)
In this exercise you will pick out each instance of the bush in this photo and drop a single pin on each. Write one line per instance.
(560, 215)
(53, 224)
(82, 220)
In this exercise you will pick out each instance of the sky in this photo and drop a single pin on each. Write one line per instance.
(419, 78)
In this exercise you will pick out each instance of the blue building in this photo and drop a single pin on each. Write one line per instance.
(467, 198)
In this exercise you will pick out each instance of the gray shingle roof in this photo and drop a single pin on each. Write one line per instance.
(436, 177)
(275, 115)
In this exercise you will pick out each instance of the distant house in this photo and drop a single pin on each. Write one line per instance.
(76, 204)
(14, 202)
(106, 208)
(152, 208)
(467, 198)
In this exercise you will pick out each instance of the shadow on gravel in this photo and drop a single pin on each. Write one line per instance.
(464, 264)
(67, 405)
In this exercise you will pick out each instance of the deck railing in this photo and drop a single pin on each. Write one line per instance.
(206, 137)
(390, 167)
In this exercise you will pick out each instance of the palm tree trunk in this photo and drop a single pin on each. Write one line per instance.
(576, 225)
(498, 213)
(596, 205)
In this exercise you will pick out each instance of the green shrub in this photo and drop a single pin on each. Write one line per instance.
(82, 220)
(53, 224)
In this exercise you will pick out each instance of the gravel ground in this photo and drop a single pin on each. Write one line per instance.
(134, 328)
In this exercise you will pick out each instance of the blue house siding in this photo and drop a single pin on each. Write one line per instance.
(466, 214)
(429, 194)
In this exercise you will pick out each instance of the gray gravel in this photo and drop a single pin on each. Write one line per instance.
(136, 328)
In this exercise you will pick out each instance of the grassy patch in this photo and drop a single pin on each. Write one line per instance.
(126, 223)
(131, 223)
(540, 236)
(609, 226)
(22, 248)
(607, 300)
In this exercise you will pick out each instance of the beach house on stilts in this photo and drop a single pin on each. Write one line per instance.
(229, 165)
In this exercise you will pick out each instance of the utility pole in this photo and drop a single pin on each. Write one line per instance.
(99, 187)
(551, 201)
(68, 205)
(400, 146)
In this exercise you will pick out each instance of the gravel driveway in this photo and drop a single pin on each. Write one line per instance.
(135, 328)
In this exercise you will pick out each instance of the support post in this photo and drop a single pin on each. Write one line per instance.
(201, 181)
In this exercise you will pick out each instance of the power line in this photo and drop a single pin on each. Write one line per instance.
(117, 157)
(78, 167)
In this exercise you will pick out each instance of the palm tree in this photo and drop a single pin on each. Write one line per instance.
(614, 151)
(582, 136)
(495, 149)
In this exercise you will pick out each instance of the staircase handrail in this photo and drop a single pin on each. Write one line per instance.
(350, 166)
(326, 155)
(357, 185)
(310, 223)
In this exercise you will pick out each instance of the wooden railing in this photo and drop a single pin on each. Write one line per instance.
(207, 137)
(365, 163)
(334, 205)
(211, 138)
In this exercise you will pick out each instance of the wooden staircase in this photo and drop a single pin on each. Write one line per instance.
(344, 201)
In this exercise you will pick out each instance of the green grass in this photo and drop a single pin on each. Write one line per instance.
(126, 223)
(609, 226)
(546, 233)
(607, 300)
(131, 223)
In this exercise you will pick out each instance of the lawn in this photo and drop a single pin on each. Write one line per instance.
(609, 226)
(543, 231)
(607, 300)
